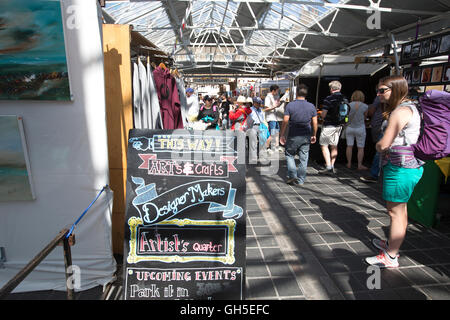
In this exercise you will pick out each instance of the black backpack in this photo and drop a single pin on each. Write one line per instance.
(343, 110)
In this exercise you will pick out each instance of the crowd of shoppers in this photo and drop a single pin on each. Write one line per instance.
(394, 119)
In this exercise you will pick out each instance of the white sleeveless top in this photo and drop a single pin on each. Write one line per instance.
(411, 131)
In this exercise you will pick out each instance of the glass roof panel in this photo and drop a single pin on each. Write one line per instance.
(283, 21)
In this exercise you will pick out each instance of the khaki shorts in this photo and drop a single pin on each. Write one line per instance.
(330, 135)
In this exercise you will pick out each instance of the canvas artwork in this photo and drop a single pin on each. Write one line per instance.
(434, 48)
(33, 61)
(407, 51)
(407, 75)
(15, 179)
(415, 50)
(425, 49)
(437, 74)
(426, 75)
(415, 76)
(446, 75)
(445, 44)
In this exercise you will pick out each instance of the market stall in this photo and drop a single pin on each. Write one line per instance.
(355, 73)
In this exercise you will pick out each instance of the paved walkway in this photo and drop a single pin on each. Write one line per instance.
(309, 242)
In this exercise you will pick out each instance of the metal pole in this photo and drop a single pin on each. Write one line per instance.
(394, 45)
(318, 85)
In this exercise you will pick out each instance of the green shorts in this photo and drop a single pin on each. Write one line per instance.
(399, 183)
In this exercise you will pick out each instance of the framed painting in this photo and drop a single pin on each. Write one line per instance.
(15, 177)
(33, 63)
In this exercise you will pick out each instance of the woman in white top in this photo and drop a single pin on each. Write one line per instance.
(356, 128)
(401, 170)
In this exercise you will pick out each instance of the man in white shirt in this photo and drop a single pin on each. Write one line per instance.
(271, 104)
(192, 105)
(256, 118)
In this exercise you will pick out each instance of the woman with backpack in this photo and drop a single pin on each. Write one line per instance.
(401, 169)
(209, 113)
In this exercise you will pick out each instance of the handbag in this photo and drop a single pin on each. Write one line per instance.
(263, 131)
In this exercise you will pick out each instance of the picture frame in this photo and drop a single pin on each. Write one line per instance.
(406, 51)
(446, 73)
(425, 47)
(415, 50)
(407, 74)
(437, 74)
(415, 76)
(15, 170)
(426, 75)
(33, 58)
(434, 46)
(445, 44)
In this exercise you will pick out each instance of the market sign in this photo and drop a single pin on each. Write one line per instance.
(211, 81)
(185, 221)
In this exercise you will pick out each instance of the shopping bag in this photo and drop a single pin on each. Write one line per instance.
(263, 133)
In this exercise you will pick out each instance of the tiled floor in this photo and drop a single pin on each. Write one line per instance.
(308, 242)
(337, 217)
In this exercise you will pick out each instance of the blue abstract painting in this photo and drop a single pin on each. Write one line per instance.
(14, 175)
(32, 52)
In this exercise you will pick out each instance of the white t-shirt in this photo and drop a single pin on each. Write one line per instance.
(192, 106)
(270, 102)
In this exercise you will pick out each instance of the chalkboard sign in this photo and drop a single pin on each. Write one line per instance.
(185, 220)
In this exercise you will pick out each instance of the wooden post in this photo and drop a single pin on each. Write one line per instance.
(119, 118)
(69, 272)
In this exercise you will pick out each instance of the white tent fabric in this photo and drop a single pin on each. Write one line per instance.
(68, 151)
(337, 65)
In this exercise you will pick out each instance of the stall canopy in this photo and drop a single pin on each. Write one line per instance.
(332, 65)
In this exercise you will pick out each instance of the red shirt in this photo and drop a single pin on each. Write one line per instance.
(239, 116)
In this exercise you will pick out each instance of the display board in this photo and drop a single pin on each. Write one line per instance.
(427, 74)
(438, 45)
(185, 221)
(433, 74)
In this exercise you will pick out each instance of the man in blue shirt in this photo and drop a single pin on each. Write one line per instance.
(301, 116)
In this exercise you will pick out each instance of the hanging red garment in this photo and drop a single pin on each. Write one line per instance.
(169, 100)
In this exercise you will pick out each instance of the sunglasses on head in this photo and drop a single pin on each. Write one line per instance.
(383, 90)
